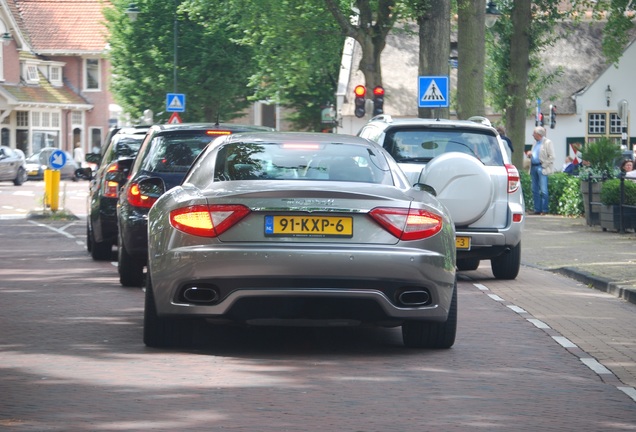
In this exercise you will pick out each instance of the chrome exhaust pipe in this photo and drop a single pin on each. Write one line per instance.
(414, 298)
(200, 295)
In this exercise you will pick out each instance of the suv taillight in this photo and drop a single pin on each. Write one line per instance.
(137, 199)
(513, 178)
(110, 187)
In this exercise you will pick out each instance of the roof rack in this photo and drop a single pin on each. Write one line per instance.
(480, 119)
(383, 117)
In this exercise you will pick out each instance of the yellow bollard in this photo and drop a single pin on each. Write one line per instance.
(47, 187)
(52, 188)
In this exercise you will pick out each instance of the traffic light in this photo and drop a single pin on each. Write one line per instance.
(552, 116)
(360, 92)
(541, 119)
(378, 100)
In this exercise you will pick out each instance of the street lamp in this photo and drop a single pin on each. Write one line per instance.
(492, 14)
(132, 11)
(6, 38)
(608, 94)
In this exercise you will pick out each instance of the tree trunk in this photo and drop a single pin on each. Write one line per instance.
(518, 82)
(471, 51)
(434, 34)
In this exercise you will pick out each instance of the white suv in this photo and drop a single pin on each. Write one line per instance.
(467, 164)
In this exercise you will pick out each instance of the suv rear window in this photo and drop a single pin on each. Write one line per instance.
(421, 145)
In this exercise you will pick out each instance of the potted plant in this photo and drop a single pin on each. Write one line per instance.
(611, 204)
(599, 164)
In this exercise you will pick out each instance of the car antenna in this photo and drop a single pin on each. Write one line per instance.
(217, 119)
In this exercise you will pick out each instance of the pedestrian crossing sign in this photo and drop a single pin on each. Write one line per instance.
(433, 92)
(175, 102)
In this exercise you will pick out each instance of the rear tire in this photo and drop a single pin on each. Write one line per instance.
(89, 240)
(467, 264)
(100, 251)
(507, 266)
(161, 332)
(21, 177)
(435, 335)
(131, 269)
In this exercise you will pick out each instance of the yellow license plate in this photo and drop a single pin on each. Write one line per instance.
(309, 226)
(462, 243)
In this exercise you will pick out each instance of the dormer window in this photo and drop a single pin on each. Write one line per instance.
(56, 75)
(32, 76)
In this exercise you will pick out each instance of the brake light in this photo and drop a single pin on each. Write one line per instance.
(137, 199)
(513, 178)
(407, 224)
(301, 146)
(207, 220)
(110, 188)
(218, 132)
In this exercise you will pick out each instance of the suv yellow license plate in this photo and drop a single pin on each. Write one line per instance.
(309, 226)
(462, 243)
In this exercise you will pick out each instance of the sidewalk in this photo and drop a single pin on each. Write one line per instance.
(603, 259)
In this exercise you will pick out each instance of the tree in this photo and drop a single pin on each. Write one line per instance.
(433, 19)
(375, 19)
(525, 28)
(296, 48)
(212, 69)
(471, 54)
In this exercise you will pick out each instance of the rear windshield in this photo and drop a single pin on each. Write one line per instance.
(422, 145)
(276, 161)
(127, 147)
(174, 153)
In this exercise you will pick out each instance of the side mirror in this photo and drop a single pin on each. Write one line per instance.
(94, 158)
(84, 173)
(426, 188)
(152, 187)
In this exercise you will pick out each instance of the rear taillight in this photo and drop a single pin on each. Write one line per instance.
(110, 187)
(513, 178)
(207, 220)
(137, 199)
(407, 224)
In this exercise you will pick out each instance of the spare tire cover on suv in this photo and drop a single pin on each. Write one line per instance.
(462, 184)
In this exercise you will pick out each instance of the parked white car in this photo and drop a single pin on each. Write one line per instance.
(467, 164)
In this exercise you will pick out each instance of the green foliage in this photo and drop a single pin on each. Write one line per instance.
(616, 34)
(565, 195)
(295, 46)
(499, 81)
(526, 187)
(611, 192)
(564, 191)
(212, 70)
(600, 158)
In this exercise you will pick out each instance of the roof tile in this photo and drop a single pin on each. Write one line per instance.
(64, 25)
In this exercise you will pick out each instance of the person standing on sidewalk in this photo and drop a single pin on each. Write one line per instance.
(541, 166)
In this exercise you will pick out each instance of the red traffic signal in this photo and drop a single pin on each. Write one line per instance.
(360, 91)
(378, 100)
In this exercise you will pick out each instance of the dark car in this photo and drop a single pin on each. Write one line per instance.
(39, 162)
(101, 223)
(166, 152)
(12, 165)
(298, 229)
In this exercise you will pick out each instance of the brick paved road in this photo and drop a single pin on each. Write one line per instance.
(71, 359)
